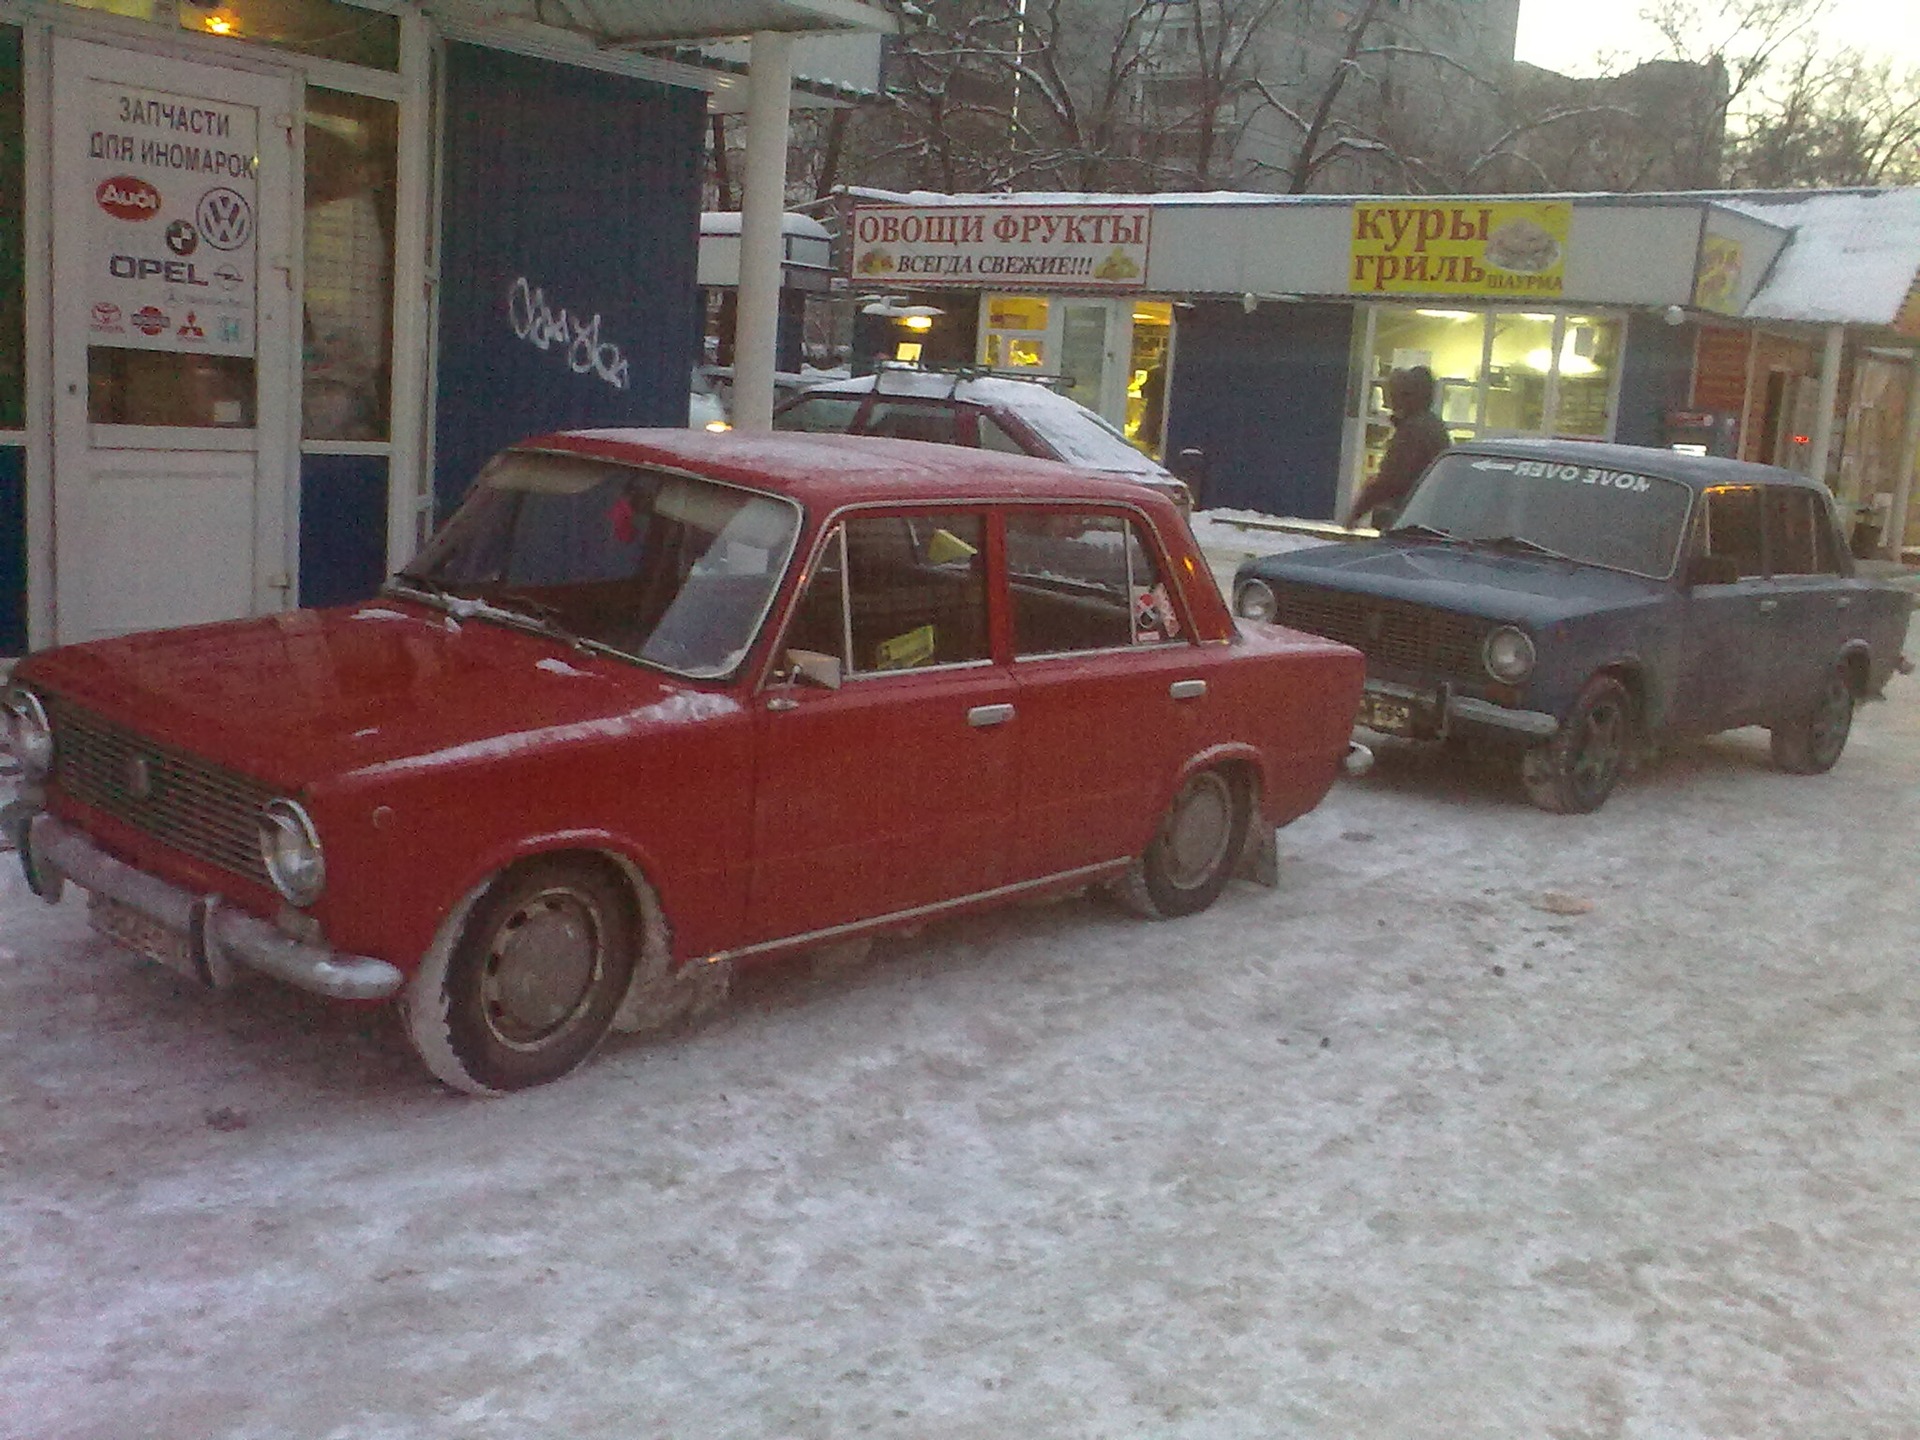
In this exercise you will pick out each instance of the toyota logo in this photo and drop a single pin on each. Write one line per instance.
(224, 218)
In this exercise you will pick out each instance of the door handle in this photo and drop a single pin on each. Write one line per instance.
(1187, 689)
(981, 716)
(1767, 607)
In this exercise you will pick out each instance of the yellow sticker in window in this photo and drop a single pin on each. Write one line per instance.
(903, 652)
(944, 548)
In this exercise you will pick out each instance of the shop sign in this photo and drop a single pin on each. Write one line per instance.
(171, 196)
(1512, 250)
(1716, 286)
(1018, 247)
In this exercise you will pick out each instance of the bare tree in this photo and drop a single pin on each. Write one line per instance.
(1831, 120)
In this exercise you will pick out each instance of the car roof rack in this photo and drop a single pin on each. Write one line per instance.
(955, 374)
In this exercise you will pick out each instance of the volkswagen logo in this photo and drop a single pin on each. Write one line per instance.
(224, 218)
(139, 777)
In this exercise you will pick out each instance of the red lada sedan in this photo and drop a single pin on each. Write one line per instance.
(655, 702)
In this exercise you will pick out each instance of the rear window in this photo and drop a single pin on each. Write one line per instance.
(913, 420)
(820, 414)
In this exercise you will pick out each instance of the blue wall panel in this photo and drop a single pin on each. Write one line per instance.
(13, 550)
(343, 527)
(1265, 395)
(1656, 376)
(569, 239)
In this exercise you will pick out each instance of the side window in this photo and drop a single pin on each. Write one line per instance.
(995, 436)
(916, 588)
(1730, 528)
(820, 414)
(1801, 537)
(1083, 582)
(908, 420)
(820, 622)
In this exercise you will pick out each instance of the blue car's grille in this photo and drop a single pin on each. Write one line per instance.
(1391, 633)
(208, 812)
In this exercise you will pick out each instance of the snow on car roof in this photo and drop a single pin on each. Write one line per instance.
(836, 469)
(1080, 436)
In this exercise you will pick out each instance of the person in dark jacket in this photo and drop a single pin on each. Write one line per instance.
(1418, 436)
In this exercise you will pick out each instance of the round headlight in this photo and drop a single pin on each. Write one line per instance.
(1508, 654)
(29, 735)
(290, 847)
(1254, 601)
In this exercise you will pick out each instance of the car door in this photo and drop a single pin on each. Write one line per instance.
(1810, 596)
(893, 790)
(1727, 655)
(1110, 688)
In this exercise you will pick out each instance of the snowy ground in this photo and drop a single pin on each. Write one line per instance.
(1487, 1123)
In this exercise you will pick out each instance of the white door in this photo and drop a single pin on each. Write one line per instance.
(1094, 339)
(173, 341)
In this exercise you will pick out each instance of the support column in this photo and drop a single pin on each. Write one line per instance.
(1896, 532)
(762, 209)
(1822, 449)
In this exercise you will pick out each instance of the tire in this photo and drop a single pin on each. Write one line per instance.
(1573, 773)
(1192, 854)
(1812, 742)
(529, 989)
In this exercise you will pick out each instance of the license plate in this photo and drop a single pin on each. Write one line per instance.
(127, 927)
(1391, 717)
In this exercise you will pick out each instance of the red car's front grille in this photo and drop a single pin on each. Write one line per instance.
(180, 800)
(1397, 635)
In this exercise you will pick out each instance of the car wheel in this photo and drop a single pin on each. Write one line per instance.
(1810, 744)
(530, 987)
(1573, 773)
(1192, 854)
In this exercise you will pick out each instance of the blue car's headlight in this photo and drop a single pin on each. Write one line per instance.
(1508, 655)
(1254, 600)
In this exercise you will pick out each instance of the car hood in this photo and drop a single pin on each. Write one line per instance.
(299, 699)
(1492, 584)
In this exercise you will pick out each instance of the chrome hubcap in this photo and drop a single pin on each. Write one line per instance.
(1194, 841)
(541, 968)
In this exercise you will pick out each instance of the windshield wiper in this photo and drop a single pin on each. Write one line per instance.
(1520, 542)
(418, 586)
(510, 608)
(1424, 531)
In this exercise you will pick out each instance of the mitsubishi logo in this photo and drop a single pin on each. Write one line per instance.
(139, 777)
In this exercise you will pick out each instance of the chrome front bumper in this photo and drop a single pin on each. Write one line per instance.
(1437, 712)
(218, 937)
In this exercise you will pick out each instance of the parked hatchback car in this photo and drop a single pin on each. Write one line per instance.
(1570, 601)
(984, 411)
(654, 702)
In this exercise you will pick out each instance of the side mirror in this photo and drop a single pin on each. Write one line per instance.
(1711, 570)
(810, 667)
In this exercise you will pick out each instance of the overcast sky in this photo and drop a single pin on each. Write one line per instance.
(1571, 37)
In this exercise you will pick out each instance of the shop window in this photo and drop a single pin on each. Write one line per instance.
(1803, 542)
(915, 594)
(13, 337)
(1450, 343)
(1730, 528)
(347, 325)
(1147, 382)
(1083, 582)
(1015, 335)
(322, 28)
(1519, 362)
(169, 387)
(1589, 359)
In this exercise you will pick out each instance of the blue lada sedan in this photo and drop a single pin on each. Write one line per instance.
(1572, 601)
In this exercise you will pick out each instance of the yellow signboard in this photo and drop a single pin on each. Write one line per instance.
(1717, 285)
(1503, 250)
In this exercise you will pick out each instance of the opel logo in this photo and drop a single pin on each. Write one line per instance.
(139, 777)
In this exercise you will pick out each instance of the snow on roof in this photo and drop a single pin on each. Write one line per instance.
(727, 222)
(1852, 259)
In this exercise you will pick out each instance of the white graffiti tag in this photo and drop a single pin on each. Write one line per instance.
(544, 328)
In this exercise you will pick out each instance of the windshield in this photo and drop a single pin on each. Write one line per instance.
(1613, 518)
(667, 568)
